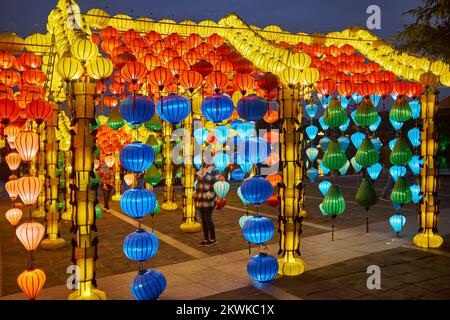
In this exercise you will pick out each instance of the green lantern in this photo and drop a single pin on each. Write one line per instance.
(366, 195)
(96, 125)
(158, 159)
(401, 193)
(98, 212)
(367, 155)
(115, 120)
(156, 209)
(152, 176)
(401, 110)
(333, 203)
(154, 124)
(366, 114)
(335, 115)
(334, 157)
(154, 143)
(96, 179)
(401, 154)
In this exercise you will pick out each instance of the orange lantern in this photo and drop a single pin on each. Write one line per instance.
(11, 188)
(271, 116)
(172, 39)
(217, 81)
(39, 111)
(9, 77)
(150, 61)
(30, 234)
(415, 90)
(366, 89)
(11, 132)
(110, 44)
(326, 87)
(129, 36)
(6, 60)
(384, 89)
(223, 66)
(193, 40)
(243, 82)
(110, 101)
(31, 282)
(215, 40)
(157, 47)
(25, 98)
(34, 76)
(9, 111)
(191, 57)
(31, 60)
(274, 179)
(152, 37)
(167, 54)
(273, 136)
(29, 188)
(13, 216)
(160, 77)
(108, 33)
(346, 89)
(190, 80)
(110, 160)
(401, 88)
(177, 65)
(133, 72)
(272, 159)
(203, 48)
(182, 47)
(27, 144)
(13, 160)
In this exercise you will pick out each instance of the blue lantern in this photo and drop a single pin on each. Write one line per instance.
(344, 168)
(137, 202)
(414, 137)
(357, 139)
(324, 142)
(352, 115)
(392, 143)
(148, 285)
(198, 161)
(221, 161)
(397, 171)
(375, 99)
(237, 174)
(258, 230)
(374, 170)
(262, 267)
(393, 96)
(221, 133)
(397, 125)
(357, 98)
(344, 142)
(217, 107)
(137, 157)
(374, 126)
(415, 191)
(255, 150)
(323, 124)
(239, 193)
(344, 103)
(235, 123)
(246, 166)
(312, 174)
(324, 169)
(325, 101)
(243, 220)
(396, 206)
(245, 130)
(344, 127)
(200, 135)
(376, 143)
(137, 110)
(311, 131)
(256, 190)
(415, 164)
(312, 153)
(140, 245)
(324, 186)
(252, 107)
(311, 110)
(355, 165)
(397, 222)
(415, 108)
(173, 108)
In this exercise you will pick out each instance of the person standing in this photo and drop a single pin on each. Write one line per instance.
(107, 179)
(205, 201)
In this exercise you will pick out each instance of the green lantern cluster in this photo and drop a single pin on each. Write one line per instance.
(152, 176)
(366, 195)
(366, 114)
(401, 154)
(334, 157)
(115, 120)
(154, 124)
(334, 203)
(401, 110)
(367, 155)
(335, 115)
(401, 193)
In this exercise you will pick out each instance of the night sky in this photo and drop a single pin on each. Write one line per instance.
(29, 16)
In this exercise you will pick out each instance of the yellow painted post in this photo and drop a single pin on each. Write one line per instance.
(169, 204)
(85, 243)
(189, 224)
(291, 192)
(52, 239)
(117, 181)
(428, 236)
(68, 209)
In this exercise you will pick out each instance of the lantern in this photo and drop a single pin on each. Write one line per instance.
(311, 131)
(221, 161)
(312, 153)
(9, 111)
(133, 72)
(401, 154)
(324, 186)
(13, 216)
(221, 133)
(357, 138)
(252, 107)
(273, 201)
(100, 68)
(400, 111)
(333, 204)
(335, 115)
(13, 160)
(366, 114)
(367, 155)
(39, 111)
(397, 222)
(312, 174)
(27, 145)
(137, 109)
(69, 69)
(243, 220)
(245, 130)
(334, 158)
(256, 150)
(148, 285)
(221, 189)
(258, 230)
(11, 188)
(262, 267)
(401, 193)
(344, 142)
(110, 161)
(137, 202)
(414, 137)
(415, 164)
(374, 170)
(84, 49)
(129, 179)
(237, 174)
(366, 196)
(11, 132)
(256, 190)
(140, 245)
(217, 108)
(30, 234)
(29, 188)
(173, 108)
(137, 157)
(31, 282)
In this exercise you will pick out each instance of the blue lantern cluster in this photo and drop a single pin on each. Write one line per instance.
(137, 157)
(217, 107)
(137, 109)
(173, 108)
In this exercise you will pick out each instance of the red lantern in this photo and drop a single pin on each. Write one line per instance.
(160, 77)
(33, 76)
(6, 60)
(274, 179)
(215, 40)
(129, 36)
(190, 80)
(366, 89)
(9, 111)
(384, 89)
(326, 87)
(191, 57)
(172, 39)
(181, 47)
(193, 40)
(31, 60)
(108, 33)
(223, 66)
(242, 82)
(9, 77)
(401, 88)
(134, 72)
(152, 37)
(203, 67)
(220, 204)
(415, 90)
(273, 201)
(268, 82)
(109, 45)
(243, 66)
(167, 54)
(346, 89)
(39, 111)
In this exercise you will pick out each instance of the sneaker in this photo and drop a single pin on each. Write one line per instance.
(203, 243)
(211, 243)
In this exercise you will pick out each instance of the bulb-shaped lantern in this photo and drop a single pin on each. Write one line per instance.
(29, 188)
(27, 145)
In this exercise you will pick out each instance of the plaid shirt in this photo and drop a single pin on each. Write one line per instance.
(205, 196)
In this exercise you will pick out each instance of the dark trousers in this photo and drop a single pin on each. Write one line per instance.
(209, 230)
(106, 196)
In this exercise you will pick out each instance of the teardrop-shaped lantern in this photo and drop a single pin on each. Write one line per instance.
(416, 193)
(324, 186)
(415, 108)
(221, 161)
(392, 143)
(13, 216)
(374, 170)
(30, 234)
(222, 133)
(11, 188)
(400, 111)
(312, 153)
(221, 189)
(152, 176)
(27, 145)
(115, 120)
(244, 201)
(243, 220)
(397, 125)
(13, 160)
(376, 143)
(366, 114)
(29, 188)
(311, 132)
(245, 130)
(415, 164)
(367, 155)
(333, 204)
(312, 174)
(356, 166)
(311, 110)
(334, 158)
(357, 138)
(397, 171)
(324, 142)
(401, 154)
(366, 195)
(401, 193)
(198, 161)
(31, 282)
(397, 222)
(335, 115)
(375, 98)
(414, 137)
(344, 142)
(200, 135)
(129, 179)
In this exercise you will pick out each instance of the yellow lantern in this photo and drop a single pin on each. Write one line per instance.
(13, 160)
(129, 179)
(13, 216)
(27, 145)
(309, 76)
(69, 69)
(11, 133)
(97, 18)
(31, 282)
(110, 160)
(38, 43)
(84, 49)
(206, 27)
(11, 188)
(445, 79)
(100, 68)
(29, 188)
(290, 76)
(30, 234)
(121, 22)
(144, 24)
(299, 61)
(428, 79)
(439, 67)
(10, 41)
(165, 26)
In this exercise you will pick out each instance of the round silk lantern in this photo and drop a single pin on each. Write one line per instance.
(137, 157)
(140, 245)
(262, 267)
(256, 190)
(137, 202)
(29, 188)
(217, 107)
(148, 285)
(258, 230)
(137, 109)
(252, 107)
(31, 282)
(173, 108)
(30, 234)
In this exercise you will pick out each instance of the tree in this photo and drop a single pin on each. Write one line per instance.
(430, 33)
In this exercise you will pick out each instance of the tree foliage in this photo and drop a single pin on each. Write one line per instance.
(430, 33)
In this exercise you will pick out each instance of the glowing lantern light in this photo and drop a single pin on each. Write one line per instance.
(376, 143)
(324, 186)
(357, 138)
(148, 285)
(252, 107)
(262, 267)
(138, 202)
(30, 234)
(311, 131)
(9, 111)
(29, 188)
(415, 109)
(323, 124)
(39, 111)
(312, 174)
(217, 107)
(129, 179)
(243, 220)
(414, 137)
(221, 133)
(324, 142)
(13, 216)
(397, 125)
(356, 166)
(256, 190)
(344, 127)
(258, 230)
(335, 115)
(11, 132)
(31, 282)
(344, 143)
(401, 193)
(373, 127)
(312, 153)
(110, 161)
(137, 157)
(244, 200)
(367, 155)
(173, 108)
(333, 204)
(334, 158)
(401, 154)
(397, 222)
(366, 196)
(311, 110)
(27, 145)
(237, 174)
(221, 161)
(374, 170)
(415, 164)
(397, 171)
(245, 130)
(256, 150)
(343, 170)
(415, 192)
(11, 188)
(140, 245)
(138, 109)
(324, 169)
(392, 143)
(13, 160)
(221, 189)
